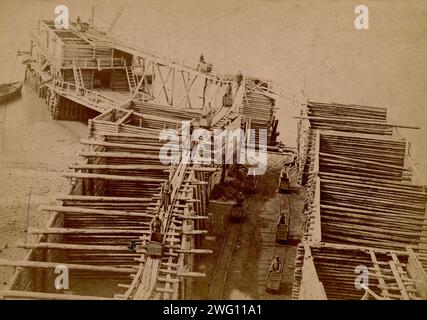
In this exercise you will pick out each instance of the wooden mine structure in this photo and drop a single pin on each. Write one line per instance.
(128, 96)
(362, 206)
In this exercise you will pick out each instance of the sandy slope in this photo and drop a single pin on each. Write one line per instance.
(36, 152)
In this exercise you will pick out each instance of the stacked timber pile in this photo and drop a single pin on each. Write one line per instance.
(260, 103)
(328, 272)
(357, 185)
(350, 118)
(125, 121)
(377, 213)
(163, 112)
(258, 108)
(362, 155)
(339, 117)
(108, 206)
(116, 192)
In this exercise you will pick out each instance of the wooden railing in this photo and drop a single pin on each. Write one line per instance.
(94, 63)
(158, 59)
(89, 98)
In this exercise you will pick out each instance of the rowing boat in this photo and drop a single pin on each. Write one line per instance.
(10, 90)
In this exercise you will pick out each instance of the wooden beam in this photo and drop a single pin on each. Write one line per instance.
(119, 167)
(122, 145)
(46, 296)
(380, 123)
(124, 155)
(71, 266)
(111, 177)
(63, 246)
(95, 211)
(86, 231)
(363, 161)
(102, 198)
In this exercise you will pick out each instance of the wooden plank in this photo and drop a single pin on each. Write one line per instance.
(46, 296)
(63, 246)
(86, 231)
(95, 211)
(71, 266)
(111, 177)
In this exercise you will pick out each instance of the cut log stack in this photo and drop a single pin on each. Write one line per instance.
(259, 108)
(389, 274)
(110, 203)
(115, 193)
(358, 194)
(350, 118)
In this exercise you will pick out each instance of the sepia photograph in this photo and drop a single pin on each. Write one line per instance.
(228, 150)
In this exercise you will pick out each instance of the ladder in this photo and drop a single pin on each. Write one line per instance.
(131, 78)
(53, 102)
(78, 78)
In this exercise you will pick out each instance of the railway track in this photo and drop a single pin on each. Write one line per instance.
(220, 275)
(280, 248)
(219, 279)
(221, 271)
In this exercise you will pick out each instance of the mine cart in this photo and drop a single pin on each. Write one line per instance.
(274, 279)
(237, 211)
(285, 185)
(282, 228)
(249, 185)
(155, 249)
(155, 246)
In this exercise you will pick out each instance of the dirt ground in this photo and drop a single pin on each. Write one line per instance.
(255, 245)
(35, 153)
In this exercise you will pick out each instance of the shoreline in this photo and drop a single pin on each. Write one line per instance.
(37, 151)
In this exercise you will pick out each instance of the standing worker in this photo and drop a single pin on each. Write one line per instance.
(227, 100)
(275, 264)
(156, 229)
(166, 194)
(239, 78)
